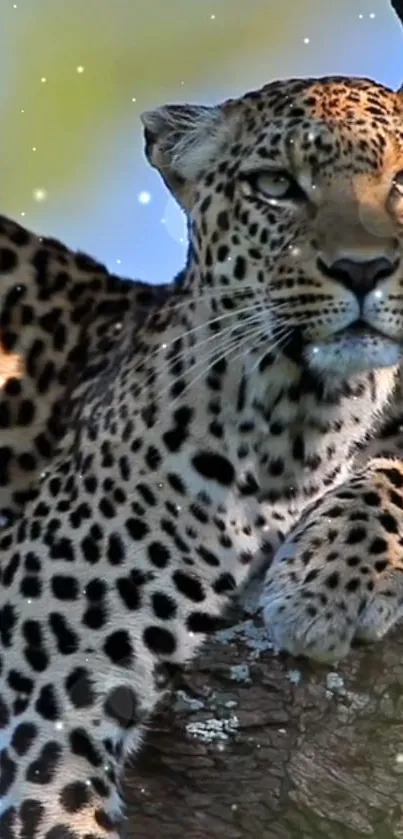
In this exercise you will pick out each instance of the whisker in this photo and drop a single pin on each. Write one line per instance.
(214, 320)
(281, 338)
(218, 353)
(218, 295)
(186, 351)
(190, 298)
(223, 352)
(243, 350)
(232, 346)
(232, 327)
(242, 318)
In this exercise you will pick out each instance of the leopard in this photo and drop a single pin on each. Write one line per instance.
(247, 419)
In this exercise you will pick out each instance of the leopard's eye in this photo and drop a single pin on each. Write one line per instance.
(397, 182)
(276, 185)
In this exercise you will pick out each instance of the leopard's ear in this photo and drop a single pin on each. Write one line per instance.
(181, 141)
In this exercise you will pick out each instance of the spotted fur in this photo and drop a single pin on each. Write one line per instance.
(56, 308)
(230, 410)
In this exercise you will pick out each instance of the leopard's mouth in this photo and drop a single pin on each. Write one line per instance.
(360, 329)
(358, 348)
(355, 348)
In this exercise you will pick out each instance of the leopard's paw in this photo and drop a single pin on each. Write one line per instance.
(339, 576)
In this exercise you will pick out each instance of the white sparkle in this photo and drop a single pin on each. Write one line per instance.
(22, 111)
(134, 99)
(23, 213)
(59, 725)
(33, 148)
(399, 758)
(144, 197)
(40, 194)
(118, 262)
(43, 79)
(295, 250)
(15, 6)
(361, 17)
(378, 294)
(80, 69)
(372, 15)
(307, 40)
(212, 17)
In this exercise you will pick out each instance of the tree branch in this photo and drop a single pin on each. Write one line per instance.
(306, 753)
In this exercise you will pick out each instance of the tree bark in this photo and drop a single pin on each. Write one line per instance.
(275, 748)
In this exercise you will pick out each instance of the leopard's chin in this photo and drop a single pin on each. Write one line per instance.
(357, 349)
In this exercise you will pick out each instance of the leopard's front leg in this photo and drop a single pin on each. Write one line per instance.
(339, 575)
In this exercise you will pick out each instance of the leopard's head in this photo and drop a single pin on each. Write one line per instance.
(294, 195)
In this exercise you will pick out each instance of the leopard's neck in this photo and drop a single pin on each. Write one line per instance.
(295, 433)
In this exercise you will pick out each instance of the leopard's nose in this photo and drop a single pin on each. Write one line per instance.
(360, 277)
